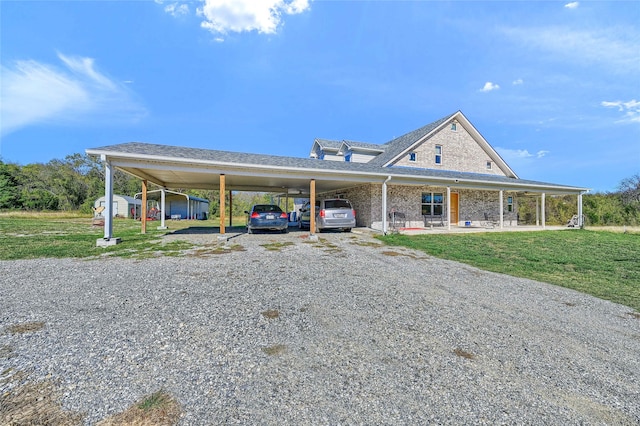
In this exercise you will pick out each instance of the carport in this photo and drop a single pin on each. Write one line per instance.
(180, 167)
(172, 167)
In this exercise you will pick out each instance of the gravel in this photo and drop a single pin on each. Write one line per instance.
(341, 331)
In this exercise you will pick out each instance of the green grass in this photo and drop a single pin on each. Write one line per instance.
(603, 264)
(30, 237)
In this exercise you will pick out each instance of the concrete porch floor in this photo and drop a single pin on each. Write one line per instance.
(475, 229)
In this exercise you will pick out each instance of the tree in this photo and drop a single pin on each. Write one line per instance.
(629, 190)
(9, 191)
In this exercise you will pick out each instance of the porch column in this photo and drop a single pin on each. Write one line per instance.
(384, 206)
(501, 209)
(312, 202)
(580, 221)
(542, 212)
(163, 202)
(449, 208)
(108, 197)
(143, 219)
(222, 206)
(537, 211)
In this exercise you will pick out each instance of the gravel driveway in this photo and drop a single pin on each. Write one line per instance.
(342, 331)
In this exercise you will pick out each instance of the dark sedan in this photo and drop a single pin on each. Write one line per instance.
(268, 217)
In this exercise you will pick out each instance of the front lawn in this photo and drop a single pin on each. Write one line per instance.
(603, 264)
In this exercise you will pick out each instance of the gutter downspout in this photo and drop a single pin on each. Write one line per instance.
(384, 205)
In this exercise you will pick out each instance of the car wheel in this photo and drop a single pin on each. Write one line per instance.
(347, 229)
(285, 230)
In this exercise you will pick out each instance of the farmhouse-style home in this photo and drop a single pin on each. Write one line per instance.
(442, 174)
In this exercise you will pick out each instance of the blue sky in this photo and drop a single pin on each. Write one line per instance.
(553, 86)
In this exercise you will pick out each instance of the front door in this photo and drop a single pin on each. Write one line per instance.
(454, 208)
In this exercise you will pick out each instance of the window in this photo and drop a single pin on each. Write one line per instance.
(432, 203)
(509, 204)
(488, 165)
(347, 158)
(454, 126)
(438, 154)
(412, 156)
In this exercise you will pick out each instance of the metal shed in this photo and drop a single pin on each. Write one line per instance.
(177, 204)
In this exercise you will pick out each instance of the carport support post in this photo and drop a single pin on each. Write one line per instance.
(162, 204)
(230, 208)
(108, 194)
(312, 202)
(222, 206)
(542, 212)
(501, 209)
(537, 211)
(143, 219)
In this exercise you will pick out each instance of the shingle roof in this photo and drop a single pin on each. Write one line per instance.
(396, 146)
(199, 156)
(364, 145)
(327, 143)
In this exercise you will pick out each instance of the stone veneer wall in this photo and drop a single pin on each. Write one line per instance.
(472, 204)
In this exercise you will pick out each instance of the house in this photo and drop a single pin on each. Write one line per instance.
(122, 206)
(442, 174)
(450, 146)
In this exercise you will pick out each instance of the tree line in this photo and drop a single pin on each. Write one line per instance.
(73, 184)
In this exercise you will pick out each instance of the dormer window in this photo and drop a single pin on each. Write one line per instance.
(438, 154)
(347, 158)
(412, 156)
(454, 126)
(489, 165)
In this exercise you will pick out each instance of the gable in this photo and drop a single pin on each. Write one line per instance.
(462, 149)
(455, 150)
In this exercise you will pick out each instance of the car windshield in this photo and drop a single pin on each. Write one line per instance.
(337, 204)
(266, 208)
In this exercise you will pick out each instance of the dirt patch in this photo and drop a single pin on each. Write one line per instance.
(277, 246)
(271, 314)
(463, 354)
(33, 403)
(274, 350)
(25, 327)
(157, 409)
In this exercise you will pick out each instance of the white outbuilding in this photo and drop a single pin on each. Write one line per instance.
(123, 206)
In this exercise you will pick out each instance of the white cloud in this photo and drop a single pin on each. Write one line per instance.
(519, 154)
(33, 92)
(518, 82)
(630, 108)
(572, 5)
(176, 9)
(614, 48)
(489, 86)
(264, 16)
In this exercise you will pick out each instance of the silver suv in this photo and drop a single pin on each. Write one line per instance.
(335, 213)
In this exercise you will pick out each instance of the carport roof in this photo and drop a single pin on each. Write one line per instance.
(198, 168)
